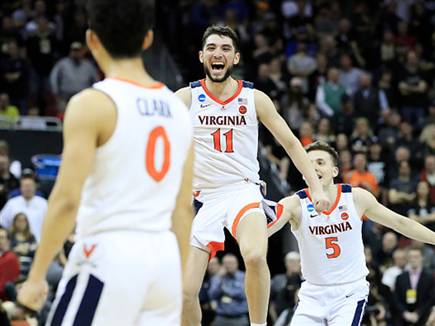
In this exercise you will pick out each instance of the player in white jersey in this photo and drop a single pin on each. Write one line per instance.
(332, 252)
(225, 113)
(126, 174)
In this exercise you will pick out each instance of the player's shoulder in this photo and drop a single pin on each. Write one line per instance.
(185, 95)
(262, 99)
(290, 202)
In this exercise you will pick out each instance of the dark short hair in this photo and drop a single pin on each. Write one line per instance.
(322, 146)
(221, 31)
(121, 25)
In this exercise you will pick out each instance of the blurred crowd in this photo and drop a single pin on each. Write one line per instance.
(356, 74)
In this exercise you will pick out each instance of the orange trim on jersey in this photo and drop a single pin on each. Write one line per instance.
(279, 210)
(239, 216)
(337, 199)
(214, 247)
(364, 218)
(228, 100)
(155, 85)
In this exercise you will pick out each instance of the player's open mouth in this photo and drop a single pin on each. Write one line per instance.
(217, 66)
(319, 176)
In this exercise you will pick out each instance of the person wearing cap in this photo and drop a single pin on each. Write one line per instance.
(72, 74)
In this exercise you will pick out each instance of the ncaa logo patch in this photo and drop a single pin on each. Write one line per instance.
(242, 109)
(310, 208)
(201, 97)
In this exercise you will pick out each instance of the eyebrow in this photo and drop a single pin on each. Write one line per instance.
(214, 44)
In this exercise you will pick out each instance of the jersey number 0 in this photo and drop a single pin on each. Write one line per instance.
(156, 134)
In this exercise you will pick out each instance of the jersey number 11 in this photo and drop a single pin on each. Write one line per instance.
(228, 140)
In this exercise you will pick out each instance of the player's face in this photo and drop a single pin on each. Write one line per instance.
(324, 166)
(218, 57)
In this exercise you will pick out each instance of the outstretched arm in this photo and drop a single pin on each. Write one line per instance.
(368, 205)
(288, 210)
(268, 115)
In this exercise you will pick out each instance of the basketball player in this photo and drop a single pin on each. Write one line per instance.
(225, 113)
(331, 247)
(126, 166)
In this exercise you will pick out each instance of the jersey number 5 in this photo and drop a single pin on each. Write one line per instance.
(156, 134)
(228, 139)
(332, 244)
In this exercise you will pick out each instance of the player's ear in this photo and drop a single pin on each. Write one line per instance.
(92, 40)
(148, 40)
(236, 58)
(335, 171)
(201, 56)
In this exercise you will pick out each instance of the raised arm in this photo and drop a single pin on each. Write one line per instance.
(268, 115)
(367, 205)
(288, 210)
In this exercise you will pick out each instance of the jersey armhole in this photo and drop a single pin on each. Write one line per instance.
(116, 127)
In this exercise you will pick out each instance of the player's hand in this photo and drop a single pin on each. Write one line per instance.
(33, 294)
(321, 201)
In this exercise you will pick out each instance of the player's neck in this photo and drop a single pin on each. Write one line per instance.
(223, 89)
(331, 190)
(129, 69)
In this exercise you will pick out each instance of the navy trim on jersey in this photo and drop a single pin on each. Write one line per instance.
(64, 301)
(195, 84)
(89, 303)
(358, 313)
(248, 84)
(346, 188)
(197, 205)
(302, 194)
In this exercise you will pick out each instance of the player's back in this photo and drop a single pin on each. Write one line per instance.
(137, 172)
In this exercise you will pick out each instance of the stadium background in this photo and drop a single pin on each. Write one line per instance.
(357, 74)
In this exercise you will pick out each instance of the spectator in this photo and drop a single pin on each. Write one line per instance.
(423, 209)
(427, 139)
(318, 76)
(29, 203)
(341, 142)
(14, 77)
(406, 139)
(9, 113)
(350, 76)
(376, 163)
(389, 132)
(402, 189)
(295, 107)
(388, 49)
(302, 65)
(23, 242)
(367, 100)
(362, 136)
(264, 83)
(345, 121)
(360, 177)
(284, 287)
(71, 75)
(228, 290)
(428, 175)
(330, 94)
(412, 87)
(279, 78)
(345, 158)
(324, 131)
(384, 257)
(208, 312)
(306, 134)
(9, 268)
(8, 181)
(391, 273)
(414, 292)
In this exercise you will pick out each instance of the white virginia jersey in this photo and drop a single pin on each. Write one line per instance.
(225, 136)
(137, 173)
(331, 245)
